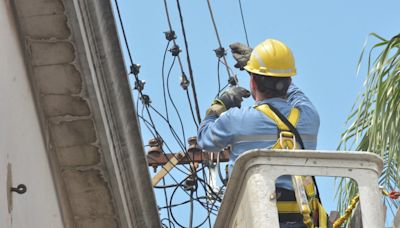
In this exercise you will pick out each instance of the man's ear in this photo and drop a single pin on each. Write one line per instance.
(252, 82)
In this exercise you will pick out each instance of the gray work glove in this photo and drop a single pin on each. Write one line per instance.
(241, 53)
(232, 97)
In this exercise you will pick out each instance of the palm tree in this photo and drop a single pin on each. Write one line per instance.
(374, 123)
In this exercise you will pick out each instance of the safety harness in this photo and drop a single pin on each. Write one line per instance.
(307, 198)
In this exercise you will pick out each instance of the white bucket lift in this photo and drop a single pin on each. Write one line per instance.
(250, 201)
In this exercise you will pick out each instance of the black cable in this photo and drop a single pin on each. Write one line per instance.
(123, 31)
(170, 203)
(191, 210)
(175, 135)
(197, 199)
(163, 80)
(189, 63)
(218, 38)
(230, 69)
(191, 109)
(244, 23)
(223, 180)
(166, 186)
(150, 123)
(157, 135)
(166, 202)
(173, 104)
(169, 221)
(219, 79)
(206, 193)
(170, 28)
(182, 203)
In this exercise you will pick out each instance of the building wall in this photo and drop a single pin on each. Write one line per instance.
(22, 148)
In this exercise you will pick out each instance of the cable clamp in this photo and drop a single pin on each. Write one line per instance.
(139, 85)
(175, 50)
(145, 99)
(220, 52)
(135, 69)
(233, 80)
(184, 82)
(170, 35)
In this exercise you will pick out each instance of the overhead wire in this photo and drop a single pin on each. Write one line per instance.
(150, 124)
(166, 202)
(182, 69)
(189, 63)
(219, 39)
(244, 23)
(197, 199)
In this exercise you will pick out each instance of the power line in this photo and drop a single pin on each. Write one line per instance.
(171, 36)
(220, 51)
(123, 31)
(244, 23)
(189, 63)
(151, 126)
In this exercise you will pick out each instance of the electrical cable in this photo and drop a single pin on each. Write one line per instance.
(166, 202)
(189, 63)
(150, 124)
(157, 135)
(123, 32)
(173, 104)
(223, 180)
(244, 23)
(163, 79)
(191, 109)
(219, 80)
(230, 69)
(170, 203)
(191, 210)
(170, 28)
(180, 64)
(218, 38)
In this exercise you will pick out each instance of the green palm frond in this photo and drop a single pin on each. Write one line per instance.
(374, 123)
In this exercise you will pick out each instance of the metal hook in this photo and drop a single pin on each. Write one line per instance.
(20, 189)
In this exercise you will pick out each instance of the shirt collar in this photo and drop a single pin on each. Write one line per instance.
(272, 100)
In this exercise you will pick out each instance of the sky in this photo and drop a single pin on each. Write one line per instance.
(326, 38)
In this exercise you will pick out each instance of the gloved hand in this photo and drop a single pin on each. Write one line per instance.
(232, 97)
(241, 53)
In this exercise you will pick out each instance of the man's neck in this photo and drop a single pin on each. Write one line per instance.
(261, 97)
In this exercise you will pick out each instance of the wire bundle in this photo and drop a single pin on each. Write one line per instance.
(201, 194)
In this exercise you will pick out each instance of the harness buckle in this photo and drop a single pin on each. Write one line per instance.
(287, 136)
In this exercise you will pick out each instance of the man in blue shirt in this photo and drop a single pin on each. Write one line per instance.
(270, 66)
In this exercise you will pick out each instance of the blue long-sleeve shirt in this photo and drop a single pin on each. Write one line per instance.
(247, 128)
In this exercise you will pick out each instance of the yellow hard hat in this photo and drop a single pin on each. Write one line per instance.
(272, 58)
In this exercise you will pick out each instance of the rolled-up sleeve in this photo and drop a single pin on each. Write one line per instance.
(215, 133)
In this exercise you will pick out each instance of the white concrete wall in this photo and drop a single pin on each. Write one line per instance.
(21, 140)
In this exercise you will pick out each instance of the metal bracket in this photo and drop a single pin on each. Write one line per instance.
(175, 50)
(139, 85)
(170, 35)
(145, 99)
(220, 52)
(135, 69)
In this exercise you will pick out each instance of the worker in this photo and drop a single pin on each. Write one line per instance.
(270, 67)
